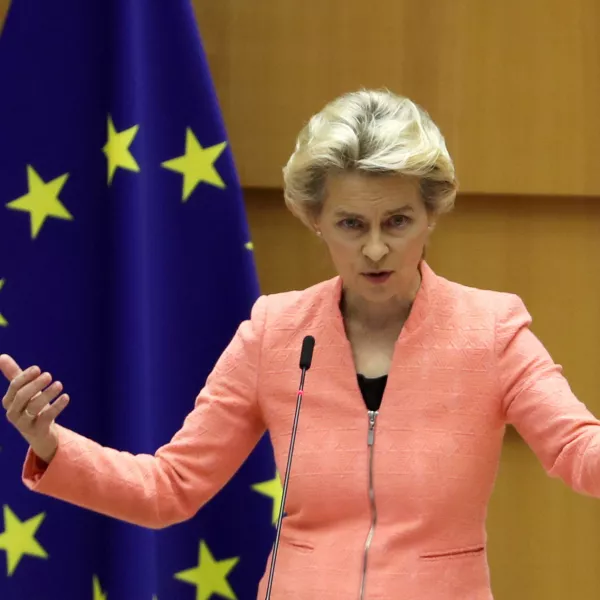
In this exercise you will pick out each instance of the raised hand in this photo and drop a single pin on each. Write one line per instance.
(30, 408)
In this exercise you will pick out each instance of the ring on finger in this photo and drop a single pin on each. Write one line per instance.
(29, 415)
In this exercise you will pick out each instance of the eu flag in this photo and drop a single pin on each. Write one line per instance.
(126, 267)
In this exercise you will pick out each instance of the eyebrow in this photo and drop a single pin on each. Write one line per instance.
(341, 212)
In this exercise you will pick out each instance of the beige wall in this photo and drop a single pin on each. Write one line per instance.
(514, 86)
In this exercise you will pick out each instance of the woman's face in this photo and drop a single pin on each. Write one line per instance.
(375, 223)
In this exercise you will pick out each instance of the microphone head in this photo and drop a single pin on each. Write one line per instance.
(308, 345)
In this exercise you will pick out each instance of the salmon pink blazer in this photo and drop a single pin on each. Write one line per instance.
(389, 506)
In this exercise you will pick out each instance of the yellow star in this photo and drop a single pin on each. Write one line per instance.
(18, 539)
(117, 150)
(197, 164)
(42, 200)
(3, 321)
(98, 593)
(249, 246)
(210, 576)
(273, 490)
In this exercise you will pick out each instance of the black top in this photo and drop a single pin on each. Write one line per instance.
(372, 390)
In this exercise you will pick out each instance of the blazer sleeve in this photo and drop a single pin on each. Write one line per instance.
(171, 485)
(539, 403)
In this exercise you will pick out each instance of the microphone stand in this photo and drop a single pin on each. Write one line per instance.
(305, 361)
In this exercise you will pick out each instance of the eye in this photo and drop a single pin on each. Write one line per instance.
(399, 221)
(350, 223)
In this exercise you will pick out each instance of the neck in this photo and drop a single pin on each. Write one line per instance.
(369, 315)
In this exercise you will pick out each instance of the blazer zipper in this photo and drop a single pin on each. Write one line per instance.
(372, 414)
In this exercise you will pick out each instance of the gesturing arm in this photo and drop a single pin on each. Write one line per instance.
(171, 485)
(539, 402)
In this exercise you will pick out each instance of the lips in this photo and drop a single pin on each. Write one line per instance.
(377, 276)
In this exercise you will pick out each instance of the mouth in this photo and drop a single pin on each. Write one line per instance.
(377, 276)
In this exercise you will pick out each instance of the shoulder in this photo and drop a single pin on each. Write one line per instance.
(281, 320)
(276, 321)
(293, 307)
(479, 308)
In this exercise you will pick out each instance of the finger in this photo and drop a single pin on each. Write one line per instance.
(23, 395)
(20, 380)
(35, 396)
(49, 413)
(39, 401)
(9, 367)
(28, 420)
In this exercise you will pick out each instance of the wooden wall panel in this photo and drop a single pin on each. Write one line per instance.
(542, 541)
(4, 4)
(513, 85)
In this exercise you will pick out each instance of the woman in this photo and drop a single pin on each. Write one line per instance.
(412, 383)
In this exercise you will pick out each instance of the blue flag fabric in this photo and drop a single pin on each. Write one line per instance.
(125, 269)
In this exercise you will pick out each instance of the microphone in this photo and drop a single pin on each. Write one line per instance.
(306, 353)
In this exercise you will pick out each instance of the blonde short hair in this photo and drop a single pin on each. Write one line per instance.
(372, 131)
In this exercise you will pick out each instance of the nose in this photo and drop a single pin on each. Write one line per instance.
(375, 248)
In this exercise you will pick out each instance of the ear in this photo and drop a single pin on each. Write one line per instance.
(432, 223)
(315, 226)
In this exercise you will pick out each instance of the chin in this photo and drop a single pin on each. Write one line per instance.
(378, 293)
